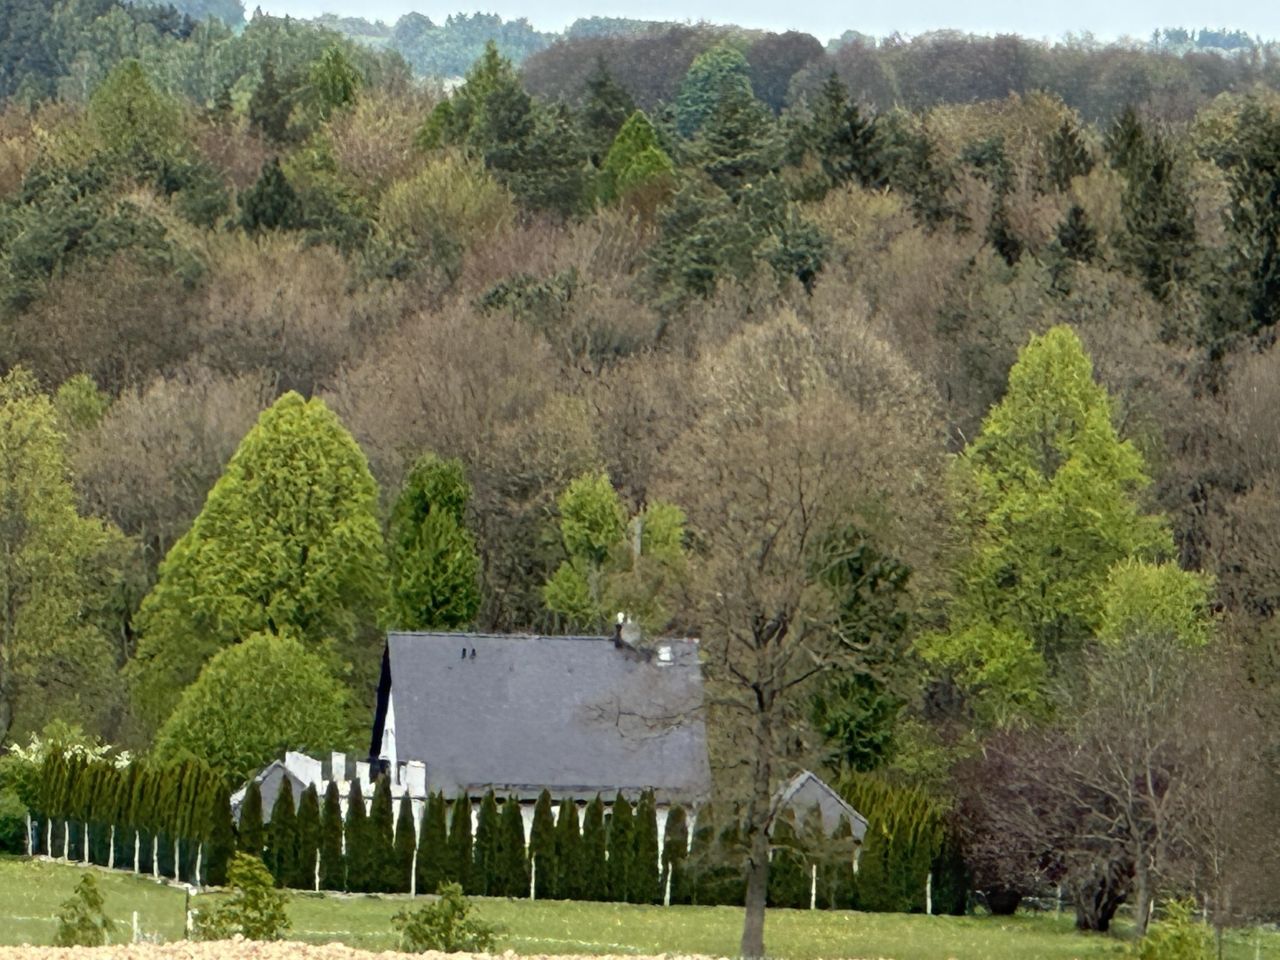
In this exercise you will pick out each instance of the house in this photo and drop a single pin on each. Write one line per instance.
(805, 791)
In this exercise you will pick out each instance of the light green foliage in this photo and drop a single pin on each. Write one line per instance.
(446, 925)
(132, 118)
(334, 81)
(1142, 600)
(255, 909)
(1046, 499)
(1177, 936)
(288, 541)
(55, 569)
(434, 564)
(82, 919)
(80, 404)
(634, 160)
(615, 564)
(714, 76)
(251, 702)
(905, 835)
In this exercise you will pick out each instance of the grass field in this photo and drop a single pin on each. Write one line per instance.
(30, 892)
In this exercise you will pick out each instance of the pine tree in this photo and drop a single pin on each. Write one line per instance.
(271, 203)
(701, 856)
(406, 844)
(622, 850)
(1076, 238)
(1125, 140)
(542, 850)
(434, 856)
(333, 866)
(646, 874)
(605, 108)
(594, 875)
(222, 835)
(252, 835)
(485, 854)
(846, 145)
(304, 877)
(360, 863)
(461, 853)
(675, 857)
(568, 853)
(512, 878)
(270, 105)
(1159, 242)
(381, 833)
(1067, 156)
(282, 837)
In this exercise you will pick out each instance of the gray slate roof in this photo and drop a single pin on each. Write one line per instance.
(577, 715)
(270, 781)
(806, 790)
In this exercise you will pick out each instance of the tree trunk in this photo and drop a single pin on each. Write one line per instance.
(1098, 897)
(30, 844)
(1142, 902)
(66, 841)
(758, 811)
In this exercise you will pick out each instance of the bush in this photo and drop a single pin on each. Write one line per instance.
(82, 922)
(444, 926)
(1177, 937)
(255, 908)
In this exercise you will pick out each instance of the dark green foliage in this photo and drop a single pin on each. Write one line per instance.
(621, 864)
(271, 203)
(605, 109)
(594, 875)
(460, 865)
(1076, 238)
(252, 836)
(1001, 236)
(1067, 156)
(406, 842)
(381, 839)
(512, 868)
(82, 918)
(221, 843)
(542, 850)
(1159, 242)
(568, 883)
(283, 853)
(844, 142)
(1125, 140)
(904, 837)
(645, 876)
(775, 59)
(738, 144)
(272, 104)
(715, 77)
(835, 872)
(361, 867)
(913, 166)
(254, 910)
(304, 877)
(444, 925)
(725, 882)
(333, 867)
(435, 863)
(675, 857)
(484, 859)
(789, 879)
(701, 855)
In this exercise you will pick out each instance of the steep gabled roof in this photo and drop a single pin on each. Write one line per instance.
(270, 780)
(577, 715)
(807, 790)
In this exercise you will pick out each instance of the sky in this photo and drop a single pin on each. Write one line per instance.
(1105, 19)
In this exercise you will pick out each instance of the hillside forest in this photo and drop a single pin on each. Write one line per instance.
(931, 383)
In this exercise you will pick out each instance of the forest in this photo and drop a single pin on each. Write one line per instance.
(930, 382)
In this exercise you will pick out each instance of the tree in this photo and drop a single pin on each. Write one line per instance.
(512, 867)
(254, 910)
(56, 570)
(1046, 497)
(435, 864)
(460, 846)
(542, 850)
(1159, 242)
(788, 876)
(444, 926)
(333, 81)
(844, 143)
(605, 109)
(646, 872)
(402, 875)
(251, 833)
(621, 862)
(283, 852)
(484, 863)
(1067, 155)
(82, 919)
(568, 854)
(635, 160)
(594, 876)
(434, 565)
(136, 123)
(253, 701)
(675, 854)
(307, 876)
(288, 540)
(775, 59)
(361, 867)
(380, 837)
(715, 76)
(271, 203)
(333, 867)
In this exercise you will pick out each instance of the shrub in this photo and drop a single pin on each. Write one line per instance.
(444, 926)
(82, 921)
(255, 909)
(1177, 937)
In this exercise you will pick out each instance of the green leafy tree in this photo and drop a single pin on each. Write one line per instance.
(253, 701)
(252, 832)
(635, 160)
(460, 845)
(646, 872)
(82, 918)
(445, 926)
(434, 564)
(1046, 498)
(512, 868)
(484, 864)
(568, 853)
(304, 877)
(283, 853)
(434, 860)
(271, 105)
(542, 850)
(715, 76)
(333, 865)
(255, 909)
(334, 81)
(675, 855)
(361, 867)
(380, 839)
(135, 122)
(622, 850)
(594, 876)
(406, 845)
(288, 540)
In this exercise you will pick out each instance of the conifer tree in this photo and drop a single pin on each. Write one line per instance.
(1076, 237)
(788, 878)
(845, 143)
(221, 843)
(635, 158)
(513, 855)
(461, 854)
(645, 875)
(1067, 155)
(1159, 241)
(333, 867)
(434, 855)
(701, 856)
(308, 840)
(252, 837)
(282, 837)
(594, 874)
(542, 850)
(360, 864)
(675, 857)
(605, 109)
(485, 854)
(381, 827)
(271, 203)
(568, 853)
(622, 850)
(406, 845)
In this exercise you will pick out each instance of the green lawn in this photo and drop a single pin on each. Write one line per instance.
(31, 891)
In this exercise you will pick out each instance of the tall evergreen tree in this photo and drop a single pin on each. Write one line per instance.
(461, 853)
(333, 865)
(271, 203)
(381, 827)
(252, 834)
(1067, 155)
(485, 854)
(221, 843)
(308, 840)
(1159, 242)
(594, 883)
(568, 853)
(702, 850)
(406, 845)
(361, 866)
(845, 143)
(434, 856)
(542, 850)
(788, 875)
(646, 873)
(622, 850)
(605, 108)
(282, 837)
(675, 857)
(512, 874)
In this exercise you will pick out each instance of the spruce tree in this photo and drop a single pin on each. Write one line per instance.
(434, 855)
(568, 853)
(282, 837)
(360, 864)
(1159, 242)
(645, 876)
(513, 856)
(542, 850)
(461, 854)
(271, 203)
(675, 857)
(406, 845)
(1067, 156)
(308, 840)
(381, 827)
(594, 873)
(333, 866)
(252, 837)
(485, 853)
(622, 850)
(1076, 238)
(700, 863)
(605, 108)
(846, 145)
(728, 884)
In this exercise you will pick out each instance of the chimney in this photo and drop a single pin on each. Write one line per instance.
(617, 628)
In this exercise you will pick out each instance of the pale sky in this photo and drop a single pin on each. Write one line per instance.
(1106, 19)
